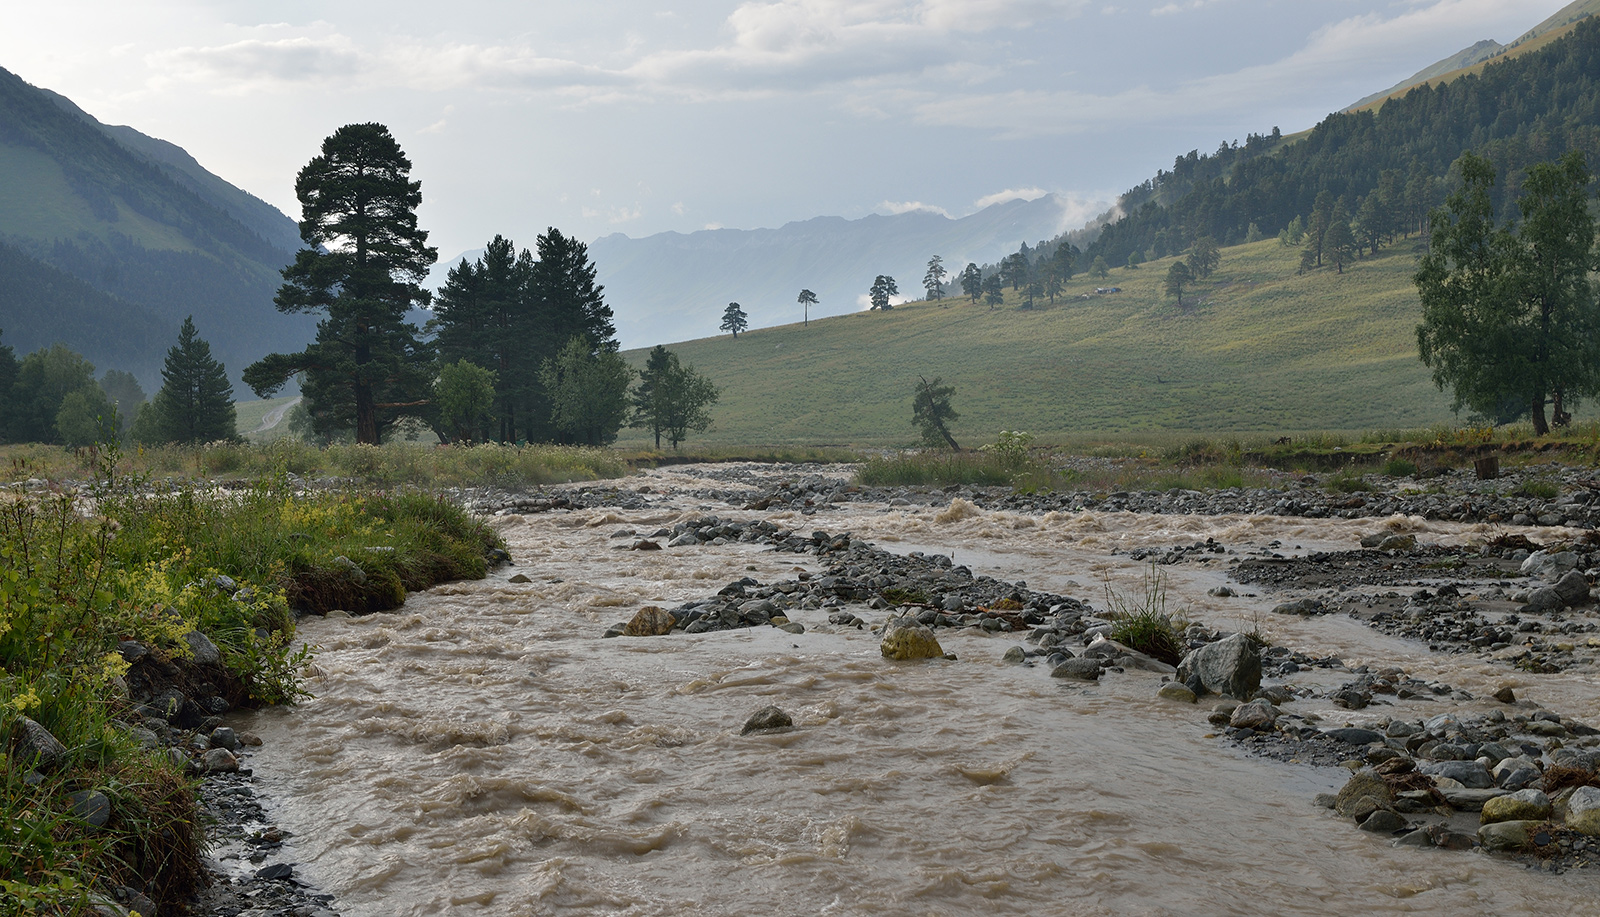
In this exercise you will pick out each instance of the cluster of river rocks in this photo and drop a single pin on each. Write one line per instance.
(1519, 779)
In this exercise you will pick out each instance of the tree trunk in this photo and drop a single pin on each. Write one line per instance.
(366, 416)
(1558, 415)
(949, 439)
(1540, 426)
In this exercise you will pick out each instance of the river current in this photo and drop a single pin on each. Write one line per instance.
(482, 751)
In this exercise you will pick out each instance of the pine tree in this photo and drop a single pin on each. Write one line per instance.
(672, 398)
(362, 268)
(734, 319)
(195, 404)
(933, 280)
(1339, 243)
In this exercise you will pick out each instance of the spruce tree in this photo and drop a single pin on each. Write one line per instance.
(195, 404)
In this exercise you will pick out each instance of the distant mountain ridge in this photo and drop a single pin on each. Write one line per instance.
(142, 225)
(672, 286)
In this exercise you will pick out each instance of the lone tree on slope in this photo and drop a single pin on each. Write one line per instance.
(932, 413)
(734, 319)
(882, 288)
(933, 280)
(807, 300)
(1178, 277)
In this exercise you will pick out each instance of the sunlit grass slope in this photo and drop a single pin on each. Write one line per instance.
(1261, 348)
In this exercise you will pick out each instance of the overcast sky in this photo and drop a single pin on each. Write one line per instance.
(635, 117)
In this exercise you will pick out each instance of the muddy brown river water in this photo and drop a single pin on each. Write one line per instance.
(483, 752)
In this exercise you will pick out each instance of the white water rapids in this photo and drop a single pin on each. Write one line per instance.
(483, 752)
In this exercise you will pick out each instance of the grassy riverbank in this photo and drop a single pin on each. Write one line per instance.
(153, 565)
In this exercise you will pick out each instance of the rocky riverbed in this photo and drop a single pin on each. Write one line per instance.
(1461, 722)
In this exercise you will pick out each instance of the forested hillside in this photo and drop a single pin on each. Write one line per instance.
(1517, 112)
(139, 222)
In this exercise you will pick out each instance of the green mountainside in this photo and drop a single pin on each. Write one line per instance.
(141, 223)
(1265, 349)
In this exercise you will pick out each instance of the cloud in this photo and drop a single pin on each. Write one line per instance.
(1174, 8)
(613, 215)
(1010, 194)
(253, 62)
(899, 207)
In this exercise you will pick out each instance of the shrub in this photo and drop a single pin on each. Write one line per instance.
(1142, 621)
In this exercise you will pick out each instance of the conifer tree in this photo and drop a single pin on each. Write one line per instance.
(195, 404)
(672, 399)
(362, 268)
(734, 319)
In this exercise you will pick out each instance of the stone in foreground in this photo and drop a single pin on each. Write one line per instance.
(1230, 666)
(1523, 805)
(904, 638)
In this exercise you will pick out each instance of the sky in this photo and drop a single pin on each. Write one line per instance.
(634, 117)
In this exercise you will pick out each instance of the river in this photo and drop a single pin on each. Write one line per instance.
(482, 751)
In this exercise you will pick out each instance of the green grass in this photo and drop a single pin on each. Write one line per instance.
(147, 566)
(1142, 622)
(935, 468)
(1263, 349)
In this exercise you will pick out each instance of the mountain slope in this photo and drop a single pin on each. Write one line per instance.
(139, 221)
(1263, 349)
(1460, 60)
(674, 285)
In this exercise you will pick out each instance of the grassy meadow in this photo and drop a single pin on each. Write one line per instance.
(1259, 348)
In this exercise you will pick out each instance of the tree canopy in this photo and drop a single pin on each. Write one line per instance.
(883, 288)
(362, 268)
(932, 413)
(734, 319)
(1511, 312)
(672, 399)
(933, 280)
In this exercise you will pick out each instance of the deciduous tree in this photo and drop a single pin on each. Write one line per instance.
(1512, 311)
(588, 390)
(672, 399)
(465, 395)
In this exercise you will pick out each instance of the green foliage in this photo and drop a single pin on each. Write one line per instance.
(195, 404)
(44, 379)
(1348, 482)
(465, 398)
(933, 280)
(972, 282)
(588, 392)
(1538, 490)
(1011, 448)
(672, 398)
(1204, 257)
(911, 469)
(1179, 275)
(86, 418)
(932, 414)
(734, 319)
(806, 299)
(1399, 468)
(883, 288)
(1511, 312)
(1142, 621)
(125, 394)
(364, 259)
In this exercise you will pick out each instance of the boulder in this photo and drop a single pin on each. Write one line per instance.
(36, 746)
(1398, 543)
(1583, 810)
(92, 806)
(768, 719)
(1354, 735)
(1362, 785)
(219, 761)
(1174, 691)
(1230, 666)
(1507, 836)
(1549, 565)
(1383, 821)
(904, 638)
(205, 652)
(1523, 805)
(1258, 715)
(1467, 800)
(1573, 588)
(1469, 774)
(1084, 669)
(650, 621)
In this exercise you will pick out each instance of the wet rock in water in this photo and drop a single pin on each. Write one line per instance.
(1583, 810)
(1573, 588)
(649, 621)
(38, 747)
(1507, 836)
(519, 578)
(1418, 838)
(1506, 695)
(1523, 805)
(1448, 838)
(1230, 666)
(1173, 690)
(645, 544)
(1354, 735)
(91, 806)
(1084, 669)
(1383, 821)
(904, 638)
(1015, 655)
(224, 737)
(275, 871)
(219, 761)
(767, 719)
(1257, 714)
(1362, 785)
(1398, 543)
(1305, 608)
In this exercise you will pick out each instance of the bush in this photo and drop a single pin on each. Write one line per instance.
(1399, 468)
(1142, 621)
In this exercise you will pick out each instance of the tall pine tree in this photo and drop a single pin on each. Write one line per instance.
(195, 404)
(362, 269)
